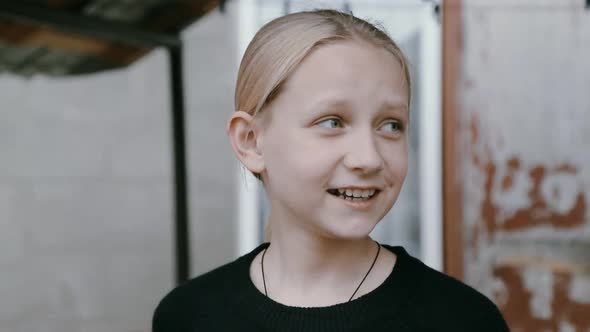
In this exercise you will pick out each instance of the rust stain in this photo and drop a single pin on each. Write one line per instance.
(538, 212)
(515, 303)
(566, 168)
(507, 183)
(548, 263)
(575, 312)
(473, 130)
(488, 210)
(513, 164)
(475, 159)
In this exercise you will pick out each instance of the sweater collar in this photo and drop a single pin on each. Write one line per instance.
(388, 297)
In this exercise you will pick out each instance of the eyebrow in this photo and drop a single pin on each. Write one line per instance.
(328, 103)
(393, 102)
(394, 105)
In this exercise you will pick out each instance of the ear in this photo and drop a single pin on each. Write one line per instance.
(244, 138)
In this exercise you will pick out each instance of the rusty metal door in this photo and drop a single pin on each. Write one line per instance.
(517, 157)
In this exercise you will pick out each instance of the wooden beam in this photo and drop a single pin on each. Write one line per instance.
(64, 4)
(22, 34)
(88, 26)
(72, 43)
(452, 187)
(172, 19)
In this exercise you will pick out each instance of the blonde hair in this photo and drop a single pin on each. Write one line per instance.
(280, 46)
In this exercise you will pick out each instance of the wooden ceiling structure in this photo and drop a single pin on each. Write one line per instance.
(74, 37)
(64, 37)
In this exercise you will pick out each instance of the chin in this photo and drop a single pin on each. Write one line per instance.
(350, 231)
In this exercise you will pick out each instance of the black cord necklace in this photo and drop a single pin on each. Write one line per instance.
(357, 288)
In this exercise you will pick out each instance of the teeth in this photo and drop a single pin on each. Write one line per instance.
(357, 193)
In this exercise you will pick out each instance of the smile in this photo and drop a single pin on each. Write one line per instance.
(361, 200)
(354, 194)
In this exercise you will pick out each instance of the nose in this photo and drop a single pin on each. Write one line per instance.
(363, 154)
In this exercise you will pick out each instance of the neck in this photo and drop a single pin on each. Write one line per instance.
(301, 268)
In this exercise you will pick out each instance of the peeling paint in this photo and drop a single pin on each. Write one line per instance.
(559, 191)
(522, 147)
(540, 211)
(516, 197)
(523, 308)
(566, 326)
(540, 302)
(580, 289)
(535, 294)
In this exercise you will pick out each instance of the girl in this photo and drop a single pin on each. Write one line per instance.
(322, 111)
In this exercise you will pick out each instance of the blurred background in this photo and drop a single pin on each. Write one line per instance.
(117, 181)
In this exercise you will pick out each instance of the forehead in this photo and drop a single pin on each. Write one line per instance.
(348, 71)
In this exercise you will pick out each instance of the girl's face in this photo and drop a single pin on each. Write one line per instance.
(339, 125)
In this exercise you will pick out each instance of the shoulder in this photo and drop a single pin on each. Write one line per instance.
(184, 305)
(442, 303)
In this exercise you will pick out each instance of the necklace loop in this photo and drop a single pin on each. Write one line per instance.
(357, 288)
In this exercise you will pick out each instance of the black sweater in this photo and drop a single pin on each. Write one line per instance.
(413, 298)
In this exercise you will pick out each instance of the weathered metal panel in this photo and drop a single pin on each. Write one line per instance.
(524, 159)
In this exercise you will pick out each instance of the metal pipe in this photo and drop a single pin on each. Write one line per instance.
(181, 209)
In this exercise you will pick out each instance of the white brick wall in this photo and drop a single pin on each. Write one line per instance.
(211, 68)
(86, 219)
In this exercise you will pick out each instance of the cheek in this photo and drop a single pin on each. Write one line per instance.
(396, 162)
(294, 158)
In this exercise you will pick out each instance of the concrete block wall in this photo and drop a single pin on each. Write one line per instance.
(211, 72)
(86, 203)
(86, 190)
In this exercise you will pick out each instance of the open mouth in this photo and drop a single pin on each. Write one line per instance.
(354, 195)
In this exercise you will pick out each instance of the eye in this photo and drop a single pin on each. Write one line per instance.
(330, 123)
(393, 126)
